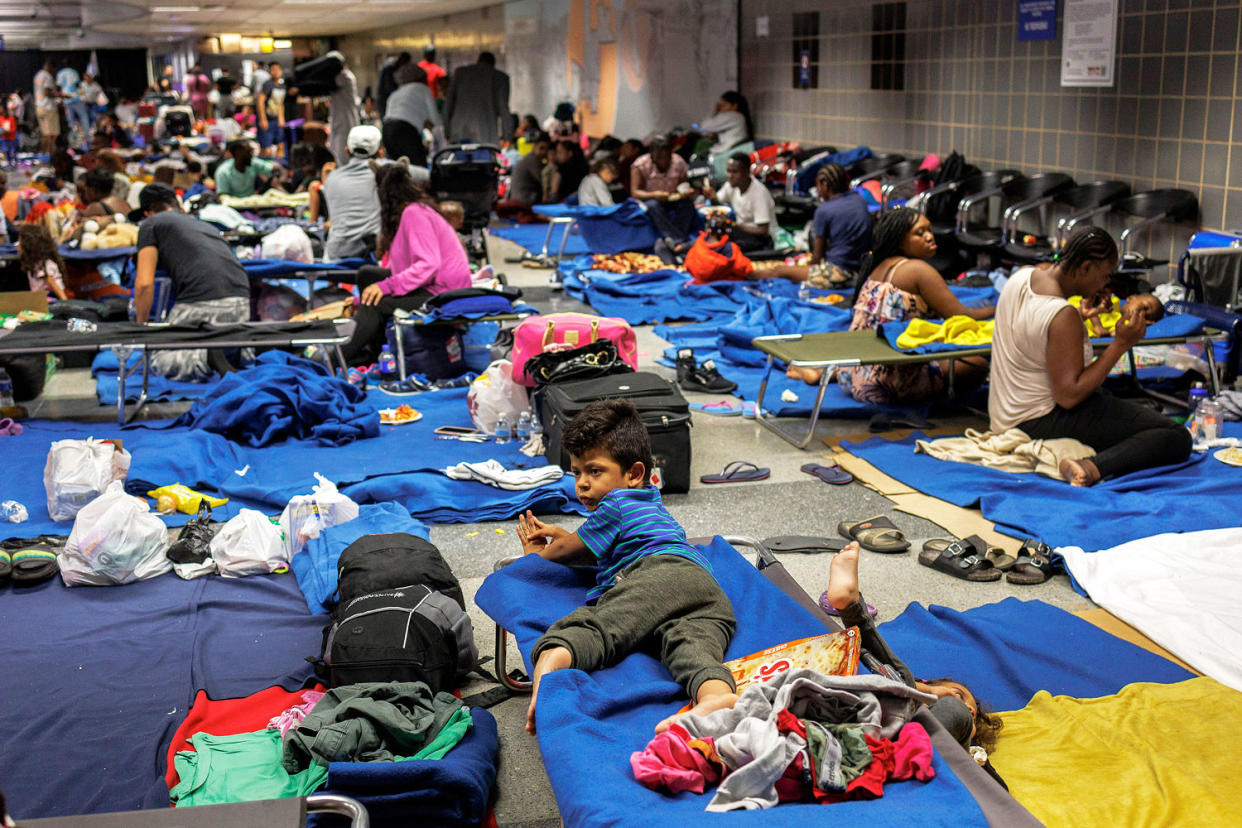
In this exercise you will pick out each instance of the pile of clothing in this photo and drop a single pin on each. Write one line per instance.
(800, 737)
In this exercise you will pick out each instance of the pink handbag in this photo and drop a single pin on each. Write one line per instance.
(563, 331)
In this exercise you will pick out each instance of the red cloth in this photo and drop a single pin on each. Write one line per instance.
(870, 785)
(675, 762)
(913, 754)
(706, 263)
(8, 127)
(228, 717)
(434, 73)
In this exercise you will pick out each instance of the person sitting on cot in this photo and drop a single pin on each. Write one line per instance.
(652, 588)
(967, 719)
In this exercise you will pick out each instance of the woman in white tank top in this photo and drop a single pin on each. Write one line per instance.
(1046, 380)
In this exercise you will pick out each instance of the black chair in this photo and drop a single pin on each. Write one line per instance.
(903, 174)
(939, 205)
(863, 169)
(1153, 207)
(1018, 191)
(1083, 203)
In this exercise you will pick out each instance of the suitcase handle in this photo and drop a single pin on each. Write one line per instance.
(550, 329)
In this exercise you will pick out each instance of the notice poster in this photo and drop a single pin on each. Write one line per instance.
(1089, 44)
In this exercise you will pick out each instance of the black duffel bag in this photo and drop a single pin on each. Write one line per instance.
(374, 563)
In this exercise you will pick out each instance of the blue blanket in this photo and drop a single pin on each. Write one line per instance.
(531, 236)
(1179, 498)
(614, 709)
(159, 389)
(612, 229)
(281, 398)
(273, 268)
(316, 564)
(1177, 324)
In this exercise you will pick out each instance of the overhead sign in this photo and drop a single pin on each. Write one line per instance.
(1037, 19)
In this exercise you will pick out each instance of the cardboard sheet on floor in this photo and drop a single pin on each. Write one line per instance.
(1152, 754)
(1181, 590)
(530, 238)
(1186, 497)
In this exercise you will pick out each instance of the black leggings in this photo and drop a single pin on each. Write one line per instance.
(1126, 437)
(365, 345)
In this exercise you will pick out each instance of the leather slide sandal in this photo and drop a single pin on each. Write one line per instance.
(803, 543)
(1001, 559)
(961, 559)
(1034, 564)
(877, 534)
(833, 474)
(739, 471)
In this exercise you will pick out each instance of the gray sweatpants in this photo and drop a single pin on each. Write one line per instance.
(191, 366)
(664, 602)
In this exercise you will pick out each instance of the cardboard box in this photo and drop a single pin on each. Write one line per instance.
(12, 302)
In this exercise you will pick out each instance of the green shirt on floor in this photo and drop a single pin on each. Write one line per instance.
(241, 768)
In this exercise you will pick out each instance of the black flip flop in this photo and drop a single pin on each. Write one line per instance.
(1034, 564)
(6, 566)
(877, 534)
(906, 419)
(961, 559)
(807, 544)
(833, 474)
(34, 563)
(739, 471)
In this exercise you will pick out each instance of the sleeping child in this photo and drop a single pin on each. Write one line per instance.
(652, 587)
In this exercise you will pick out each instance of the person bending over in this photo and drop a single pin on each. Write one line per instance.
(422, 256)
(900, 286)
(209, 283)
(1047, 381)
(967, 719)
(754, 209)
(653, 588)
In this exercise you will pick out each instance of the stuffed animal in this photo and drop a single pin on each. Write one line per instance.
(119, 234)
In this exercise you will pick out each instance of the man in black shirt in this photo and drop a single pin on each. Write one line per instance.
(225, 84)
(209, 283)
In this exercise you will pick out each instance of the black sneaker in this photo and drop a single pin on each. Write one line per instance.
(686, 364)
(705, 378)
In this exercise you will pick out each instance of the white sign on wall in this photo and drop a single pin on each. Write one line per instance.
(1089, 44)
(762, 27)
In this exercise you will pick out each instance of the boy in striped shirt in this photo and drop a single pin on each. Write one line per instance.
(652, 587)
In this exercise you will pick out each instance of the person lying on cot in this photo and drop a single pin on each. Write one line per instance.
(1047, 380)
(1102, 313)
(652, 588)
(966, 718)
(899, 286)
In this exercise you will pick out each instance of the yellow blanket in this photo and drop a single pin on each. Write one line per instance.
(1108, 319)
(956, 330)
(1153, 754)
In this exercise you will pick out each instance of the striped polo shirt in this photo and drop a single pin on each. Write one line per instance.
(628, 525)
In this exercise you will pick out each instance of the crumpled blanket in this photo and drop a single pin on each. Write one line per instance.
(282, 397)
(1012, 450)
(493, 473)
(749, 742)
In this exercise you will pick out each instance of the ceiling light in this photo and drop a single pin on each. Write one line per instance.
(173, 9)
(310, 2)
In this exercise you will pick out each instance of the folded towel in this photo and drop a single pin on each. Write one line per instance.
(493, 473)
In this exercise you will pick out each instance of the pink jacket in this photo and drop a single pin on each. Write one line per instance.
(425, 254)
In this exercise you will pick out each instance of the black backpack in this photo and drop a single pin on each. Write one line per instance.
(374, 563)
(411, 633)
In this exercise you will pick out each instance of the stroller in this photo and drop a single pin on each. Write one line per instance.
(470, 174)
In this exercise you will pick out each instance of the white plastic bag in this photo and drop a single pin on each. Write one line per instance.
(288, 242)
(494, 392)
(305, 516)
(78, 471)
(249, 544)
(115, 540)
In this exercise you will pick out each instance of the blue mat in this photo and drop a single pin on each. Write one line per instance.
(275, 268)
(992, 648)
(1177, 324)
(95, 680)
(159, 389)
(612, 229)
(1191, 496)
(531, 236)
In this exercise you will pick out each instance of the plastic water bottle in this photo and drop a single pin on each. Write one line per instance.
(387, 365)
(536, 427)
(13, 512)
(6, 389)
(804, 291)
(523, 427)
(503, 434)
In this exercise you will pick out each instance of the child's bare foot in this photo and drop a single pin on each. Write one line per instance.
(810, 376)
(713, 695)
(843, 578)
(550, 660)
(1080, 472)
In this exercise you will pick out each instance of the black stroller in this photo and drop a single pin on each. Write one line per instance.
(470, 174)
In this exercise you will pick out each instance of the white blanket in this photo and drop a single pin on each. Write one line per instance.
(1182, 590)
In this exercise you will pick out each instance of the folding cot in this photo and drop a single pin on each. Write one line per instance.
(588, 724)
(125, 338)
(840, 349)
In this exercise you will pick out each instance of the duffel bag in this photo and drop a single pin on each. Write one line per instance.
(563, 331)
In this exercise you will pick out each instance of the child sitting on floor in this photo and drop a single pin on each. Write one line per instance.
(40, 260)
(652, 588)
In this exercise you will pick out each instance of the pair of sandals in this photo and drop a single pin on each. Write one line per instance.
(971, 559)
(29, 561)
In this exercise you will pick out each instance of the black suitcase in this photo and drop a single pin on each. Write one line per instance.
(663, 409)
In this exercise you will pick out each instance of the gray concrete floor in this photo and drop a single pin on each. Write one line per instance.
(788, 502)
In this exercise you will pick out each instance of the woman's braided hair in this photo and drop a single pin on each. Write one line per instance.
(1090, 244)
(890, 231)
(835, 176)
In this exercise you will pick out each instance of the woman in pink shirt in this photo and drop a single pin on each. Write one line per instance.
(420, 255)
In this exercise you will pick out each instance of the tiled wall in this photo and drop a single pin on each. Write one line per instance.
(1171, 120)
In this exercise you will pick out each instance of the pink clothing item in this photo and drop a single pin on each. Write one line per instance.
(912, 753)
(670, 763)
(45, 276)
(656, 181)
(426, 253)
(292, 717)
